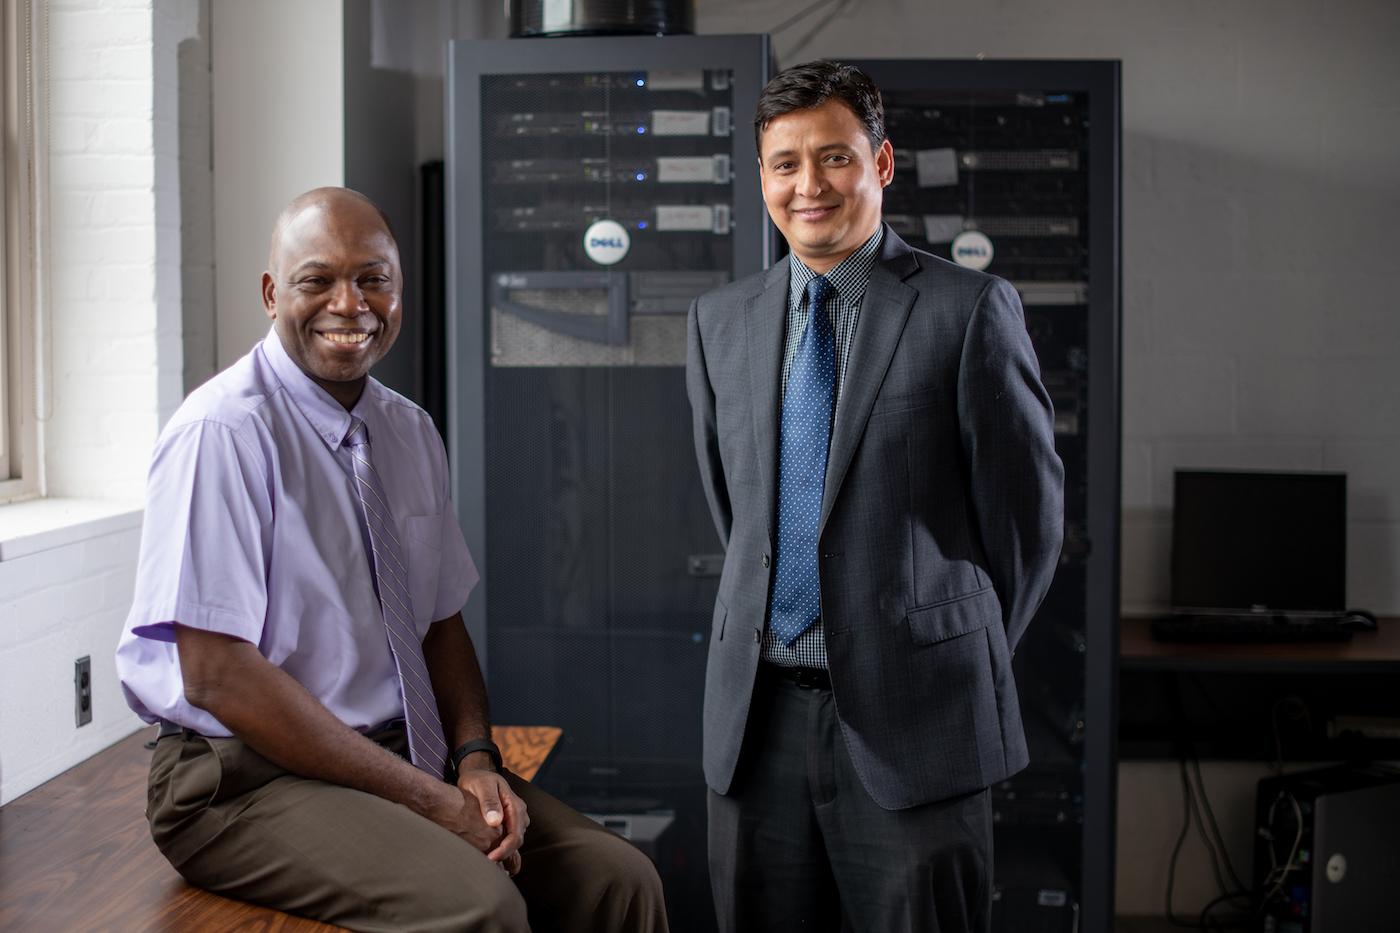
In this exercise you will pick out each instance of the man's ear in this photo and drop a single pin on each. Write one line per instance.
(884, 163)
(269, 295)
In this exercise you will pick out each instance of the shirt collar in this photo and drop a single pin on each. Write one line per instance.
(327, 416)
(848, 278)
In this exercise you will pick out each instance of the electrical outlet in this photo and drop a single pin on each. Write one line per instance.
(82, 690)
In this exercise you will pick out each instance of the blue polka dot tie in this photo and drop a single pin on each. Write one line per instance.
(804, 438)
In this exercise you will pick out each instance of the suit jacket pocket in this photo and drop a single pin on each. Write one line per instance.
(953, 617)
(893, 404)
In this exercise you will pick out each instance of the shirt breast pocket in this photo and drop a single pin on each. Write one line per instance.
(422, 548)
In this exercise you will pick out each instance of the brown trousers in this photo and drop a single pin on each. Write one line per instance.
(233, 823)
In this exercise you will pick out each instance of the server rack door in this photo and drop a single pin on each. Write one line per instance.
(1013, 167)
(596, 187)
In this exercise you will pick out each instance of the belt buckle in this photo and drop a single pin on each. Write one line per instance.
(809, 679)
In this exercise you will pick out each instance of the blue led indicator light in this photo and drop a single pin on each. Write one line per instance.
(641, 176)
(641, 130)
(641, 225)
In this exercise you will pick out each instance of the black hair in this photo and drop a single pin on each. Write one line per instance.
(802, 87)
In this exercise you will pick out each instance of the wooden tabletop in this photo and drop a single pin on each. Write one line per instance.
(76, 853)
(1377, 650)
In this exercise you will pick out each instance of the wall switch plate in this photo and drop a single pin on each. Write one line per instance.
(82, 690)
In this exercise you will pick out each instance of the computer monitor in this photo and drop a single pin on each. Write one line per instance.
(1245, 542)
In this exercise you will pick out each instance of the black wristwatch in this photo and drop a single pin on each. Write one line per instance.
(476, 745)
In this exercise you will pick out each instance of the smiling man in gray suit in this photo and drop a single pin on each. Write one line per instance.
(878, 453)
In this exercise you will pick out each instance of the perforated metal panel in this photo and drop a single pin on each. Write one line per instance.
(594, 196)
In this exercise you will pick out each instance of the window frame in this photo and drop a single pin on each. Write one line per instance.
(20, 475)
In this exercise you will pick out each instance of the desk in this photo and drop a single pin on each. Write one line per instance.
(1375, 651)
(1226, 699)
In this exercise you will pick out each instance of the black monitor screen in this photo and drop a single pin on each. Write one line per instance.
(1245, 541)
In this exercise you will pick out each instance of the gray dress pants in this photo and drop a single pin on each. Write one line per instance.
(798, 845)
(232, 822)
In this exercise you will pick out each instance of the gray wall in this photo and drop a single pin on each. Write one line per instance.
(279, 129)
(381, 163)
(196, 130)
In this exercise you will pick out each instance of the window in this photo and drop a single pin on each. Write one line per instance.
(19, 460)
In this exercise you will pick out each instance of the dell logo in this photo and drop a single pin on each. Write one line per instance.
(971, 248)
(606, 242)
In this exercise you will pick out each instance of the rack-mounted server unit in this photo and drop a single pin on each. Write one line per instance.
(596, 186)
(1013, 166)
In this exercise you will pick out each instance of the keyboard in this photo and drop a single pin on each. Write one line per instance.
(1252, 628)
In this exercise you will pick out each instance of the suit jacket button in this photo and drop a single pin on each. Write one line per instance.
(765, 560)
(757, 636)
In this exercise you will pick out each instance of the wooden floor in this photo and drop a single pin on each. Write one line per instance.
(76, 854)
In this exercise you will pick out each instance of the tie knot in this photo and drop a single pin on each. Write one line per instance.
(358, 435)
(817, 291)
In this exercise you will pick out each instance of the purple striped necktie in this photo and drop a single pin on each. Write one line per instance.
(426, 746)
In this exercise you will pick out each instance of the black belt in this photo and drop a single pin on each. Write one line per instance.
(808, 678)
(174, 728)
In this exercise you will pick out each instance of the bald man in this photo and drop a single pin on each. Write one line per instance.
(296, 631)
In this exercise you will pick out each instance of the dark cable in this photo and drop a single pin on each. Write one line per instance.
(1239, 886)
(1176, 849)
(1206, 825)
(1236, 922)
(1206, 840)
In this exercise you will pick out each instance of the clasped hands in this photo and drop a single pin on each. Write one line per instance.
(483, 810)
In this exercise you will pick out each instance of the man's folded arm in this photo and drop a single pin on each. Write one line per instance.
(458, 686)
(462, 704)
(276, 716)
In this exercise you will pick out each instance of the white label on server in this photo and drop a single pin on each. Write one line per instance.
(936, 167)
(971, 248)
(675, 217)
(556, 14)
(676, 80)
(723, 121)
(680, 122)
(721, 225)
(942, 228)
(681, 169)
(606, 242)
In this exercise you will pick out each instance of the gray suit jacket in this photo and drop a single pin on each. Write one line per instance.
(941, 525)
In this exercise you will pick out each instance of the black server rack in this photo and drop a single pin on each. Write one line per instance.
(595, 187)
(1013, 166)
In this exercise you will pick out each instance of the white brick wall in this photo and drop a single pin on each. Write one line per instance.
(56, 606)
(115, 369)
(103, 170)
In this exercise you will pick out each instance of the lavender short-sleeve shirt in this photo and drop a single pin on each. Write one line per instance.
(251, 530)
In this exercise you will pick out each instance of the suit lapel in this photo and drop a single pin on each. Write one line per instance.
(883, 313)
(764, 318)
